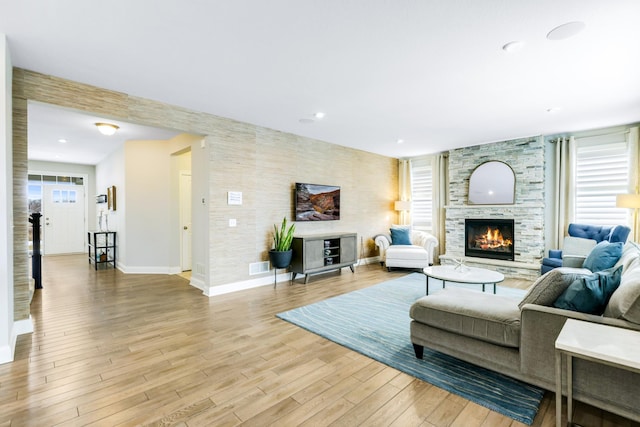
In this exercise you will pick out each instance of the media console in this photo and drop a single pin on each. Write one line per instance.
(323, 252)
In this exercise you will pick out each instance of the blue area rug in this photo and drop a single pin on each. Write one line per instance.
(375, 322)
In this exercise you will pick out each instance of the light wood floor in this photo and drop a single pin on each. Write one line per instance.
(111, 349)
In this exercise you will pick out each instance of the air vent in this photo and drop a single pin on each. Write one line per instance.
(258, 268)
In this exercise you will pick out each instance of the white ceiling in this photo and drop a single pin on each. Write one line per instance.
(430, 72)
(70, 137)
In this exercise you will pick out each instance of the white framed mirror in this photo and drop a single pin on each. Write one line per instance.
(492, 183)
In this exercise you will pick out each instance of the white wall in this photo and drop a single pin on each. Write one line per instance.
(111, 172)
(7, 334)
(146, 219)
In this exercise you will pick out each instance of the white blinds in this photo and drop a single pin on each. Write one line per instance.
(602, 171)
(422, 194)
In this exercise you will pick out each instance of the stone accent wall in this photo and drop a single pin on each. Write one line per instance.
(526, 158)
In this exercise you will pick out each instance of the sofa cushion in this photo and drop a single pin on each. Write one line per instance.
(603, 256)
(487, 317)
(590, 294)
(400, 236)
(625, 301)
(551, 285)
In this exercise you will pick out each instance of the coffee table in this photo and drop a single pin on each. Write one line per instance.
(463, 274)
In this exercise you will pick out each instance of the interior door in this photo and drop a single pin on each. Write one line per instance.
(185, 220)
(63, 214)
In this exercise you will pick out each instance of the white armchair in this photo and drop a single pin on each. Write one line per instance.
(417, 255)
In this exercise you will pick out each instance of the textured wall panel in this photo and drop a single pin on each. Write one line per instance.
(261, 163)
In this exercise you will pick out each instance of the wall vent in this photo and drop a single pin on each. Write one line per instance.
(199, 268)
(258, 268)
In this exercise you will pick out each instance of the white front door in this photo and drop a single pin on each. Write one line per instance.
(63, 219)
(185, 220)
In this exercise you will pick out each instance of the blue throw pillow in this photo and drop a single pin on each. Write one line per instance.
(400, 236)
(590, 294)
(603, 256)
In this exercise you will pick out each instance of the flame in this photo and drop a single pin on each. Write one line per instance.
(493, 239)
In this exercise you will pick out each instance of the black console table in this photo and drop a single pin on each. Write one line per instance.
(102, 247)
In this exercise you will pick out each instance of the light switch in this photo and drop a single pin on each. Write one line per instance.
(232, 222)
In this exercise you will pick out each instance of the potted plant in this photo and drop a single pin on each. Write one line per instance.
(281, 253)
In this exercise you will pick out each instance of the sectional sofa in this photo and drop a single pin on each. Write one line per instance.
(517, 338)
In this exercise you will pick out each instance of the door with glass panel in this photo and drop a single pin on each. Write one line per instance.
(63, 219)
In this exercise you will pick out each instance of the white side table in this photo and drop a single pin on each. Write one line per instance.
(604, 344)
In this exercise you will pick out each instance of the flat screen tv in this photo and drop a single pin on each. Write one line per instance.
(314, 202)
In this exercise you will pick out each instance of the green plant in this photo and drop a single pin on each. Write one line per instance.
(282, 238)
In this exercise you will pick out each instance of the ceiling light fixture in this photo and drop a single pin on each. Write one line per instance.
(513, 46)
(62, 141)
(565, 31)
(319, 115)
(400, 141)
(107, 128)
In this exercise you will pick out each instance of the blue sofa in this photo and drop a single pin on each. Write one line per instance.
(599, 233)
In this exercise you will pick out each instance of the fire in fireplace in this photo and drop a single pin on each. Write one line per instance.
(489, 238)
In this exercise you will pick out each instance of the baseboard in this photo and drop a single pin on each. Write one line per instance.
(247, 284)
(20, 327)
(266, 280)
(197, 283)
(149, 270)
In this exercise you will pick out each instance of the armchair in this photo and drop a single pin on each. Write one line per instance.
(582, 238)
(417, 255)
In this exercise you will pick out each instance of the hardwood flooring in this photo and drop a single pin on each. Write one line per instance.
(111, 349)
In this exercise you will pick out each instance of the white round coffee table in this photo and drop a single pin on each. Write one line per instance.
(463, 274)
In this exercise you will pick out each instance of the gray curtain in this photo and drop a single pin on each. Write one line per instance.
(404, 189)
(440, 171)
(564, 189)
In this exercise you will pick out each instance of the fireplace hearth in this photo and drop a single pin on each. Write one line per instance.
(489, 238)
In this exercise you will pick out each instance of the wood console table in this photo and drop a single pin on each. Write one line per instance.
(323, 252)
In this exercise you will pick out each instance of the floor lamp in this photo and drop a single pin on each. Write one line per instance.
(631, 201)
(403, 206)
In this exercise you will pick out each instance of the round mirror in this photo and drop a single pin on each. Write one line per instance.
(492, 183)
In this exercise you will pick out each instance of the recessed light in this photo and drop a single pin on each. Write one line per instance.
(565, 31)
(400, 141)
(62, 141)
(319, 115)
(513, 46)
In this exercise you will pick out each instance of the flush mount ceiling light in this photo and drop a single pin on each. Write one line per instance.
(400, 141)
(107, 128)
(513, 46)
(319, 115)
(565, 31)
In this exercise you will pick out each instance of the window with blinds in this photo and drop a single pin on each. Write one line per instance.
(422, 194)
(602, 171)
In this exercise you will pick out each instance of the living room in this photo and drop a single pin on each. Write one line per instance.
(262, 164)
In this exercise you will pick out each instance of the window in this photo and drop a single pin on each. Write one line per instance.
(422, 194)
(602, 171)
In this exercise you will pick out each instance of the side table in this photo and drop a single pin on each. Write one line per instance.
(604, 344)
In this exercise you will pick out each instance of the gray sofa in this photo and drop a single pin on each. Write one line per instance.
(517, 338)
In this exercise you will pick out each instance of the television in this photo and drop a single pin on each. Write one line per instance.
(314, 202)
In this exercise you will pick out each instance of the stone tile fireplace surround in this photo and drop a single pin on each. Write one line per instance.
(526, 158)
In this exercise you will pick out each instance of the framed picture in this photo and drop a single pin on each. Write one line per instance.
(111, 198)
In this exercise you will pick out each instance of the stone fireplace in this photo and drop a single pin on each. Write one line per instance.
(527, 213)
(489, 238)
